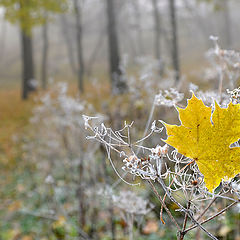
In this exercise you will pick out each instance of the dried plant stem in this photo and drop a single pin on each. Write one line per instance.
(212, 217)
(130, 226)
(208, 206)
(205, 210)
(164, 205)
(198, 234)
(184, 209)
(144, 136)
(147, 126)
(182, 233)
(220, 84)
(164, 198)
(186, 216)
(149, 119)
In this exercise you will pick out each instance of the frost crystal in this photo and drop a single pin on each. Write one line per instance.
(168, 97)
(209, 97)
(234, 95)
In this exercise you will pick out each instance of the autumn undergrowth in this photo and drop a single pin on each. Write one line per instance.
(194, 164)
(133, 178)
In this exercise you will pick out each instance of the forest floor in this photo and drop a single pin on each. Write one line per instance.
(14, 115)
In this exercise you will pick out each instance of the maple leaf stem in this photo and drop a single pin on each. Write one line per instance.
(212, 217)
(164, 205)
(145, 135)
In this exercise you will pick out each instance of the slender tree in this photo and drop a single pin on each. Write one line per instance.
(118, 81)
(227, 23)
(3, 33)
(44, 69)
(157, 39)
(27, 64)
(80, 69)
(68, 40)
(95, 52)
(174, 38)
(27, 52)
(137, 25)
(28, 14)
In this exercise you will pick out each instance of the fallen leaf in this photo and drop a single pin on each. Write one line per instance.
(150, 227)
(208, 141)
(224, 231)
(14, 206)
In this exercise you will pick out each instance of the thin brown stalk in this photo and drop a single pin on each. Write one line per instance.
(182, 234)
(212, 217)
(164, 198)
(164, 205)
(208, 206)
(205, 210)
(184, 209)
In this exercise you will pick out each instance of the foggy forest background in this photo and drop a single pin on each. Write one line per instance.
(68, 64)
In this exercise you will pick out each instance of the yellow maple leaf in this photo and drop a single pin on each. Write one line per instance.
(208, 142)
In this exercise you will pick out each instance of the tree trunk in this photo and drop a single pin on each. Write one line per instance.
(44, 56)
(138, 27)
(67, 38)
(80, 70)
(157, 40)
(95, 52)
(3, 39)
(27, 64)
(118, 81)
(227, 24)
(174, 38)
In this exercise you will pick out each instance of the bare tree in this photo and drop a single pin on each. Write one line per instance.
(68, 41)
(118, 81)
(157, 39)
(44, 69)
(227, 23)
(3, 38)
(174, 36)
(28, 65)
(80, 69)
(137, 25)
(95, 52)
(199, 20)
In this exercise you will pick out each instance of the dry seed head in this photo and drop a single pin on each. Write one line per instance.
(160, 151)
(131, 158)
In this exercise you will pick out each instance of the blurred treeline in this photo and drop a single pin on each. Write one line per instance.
(69, 35)
(118, 54)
